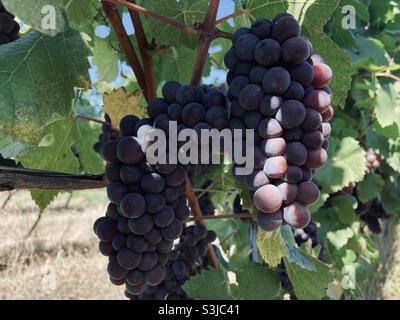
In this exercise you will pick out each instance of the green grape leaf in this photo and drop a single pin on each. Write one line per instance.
(371, 54)
(346, 164)
(43, 198)
(386, 107)
(187, 12)
(10, 148)
(54, 153)
(257, 282)
(309, 285)
(344, 208)
(177, 64)
(292, 252)
(217, 288)
(270, 246)
(105, 59)
(38, 75)
(370, 187)
(90, 161)
(42, 13)
(340, 238)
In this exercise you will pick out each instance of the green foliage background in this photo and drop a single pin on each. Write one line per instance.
(44, 84)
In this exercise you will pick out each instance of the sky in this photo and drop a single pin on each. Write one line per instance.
(226, 7)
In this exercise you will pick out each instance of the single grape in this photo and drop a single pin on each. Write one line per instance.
(245, 46)
(131, 174)
(312, 121)
(164, 217)
(188, 93)
(132, 205)
(308, 193)
(237, 110)
(250, 97)
(313, 140)
(303, 73)
(270, 105)
(276, 81)
(173, 231)
(296, 153)
(127, 125)
(293, 175)
(129, 150)
(170, 90)
(175, 111)
(152, 183)
(285, 28)
(327, 115)
(295, 50)
(256, 180)
(154, 202)
(256, 74)
(318, 100)
(270, 221)
(136, 243)
(112, 172)
(156, 107)
(323, 75)
(275, 167)
(217, 117)
(237, 85)
(109, 151)
(231, 59)
(267, 52)
(193, 113)
(293, 135)
(141, 225)
(295, 92)
(116, 191)
(262, 28)
(273, 147)
(288, 192)
(270, 128)
(316, 158)
(291, 115)
(296, 215)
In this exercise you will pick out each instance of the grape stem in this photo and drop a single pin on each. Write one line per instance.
(206, 38)
(196, 211)
(83, 117)
(230, 16)
(139, 9)
(387, 74)
(126, 44)
(146, 55)
(223, 216)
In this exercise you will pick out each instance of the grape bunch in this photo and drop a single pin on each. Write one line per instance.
(107, 133)
(373, 159)
(9, 29)
(372, 213)
(146, 212)
(278, 89)
(184, 260)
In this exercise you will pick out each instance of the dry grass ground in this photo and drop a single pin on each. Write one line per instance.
(60, 260)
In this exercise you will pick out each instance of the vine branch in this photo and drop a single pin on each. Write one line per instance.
(147, 57)
(139, 9)
(387, 74)
(196, 211)
(206, 38)
(126, 44)
(223, 216)
(83, 117)
(230, 16)
(21, 178)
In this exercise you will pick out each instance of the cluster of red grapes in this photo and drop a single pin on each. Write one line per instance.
(146, 212)
(9, 29)
(185, 259)
(277, 89)
(107, 133)
(373, 159)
